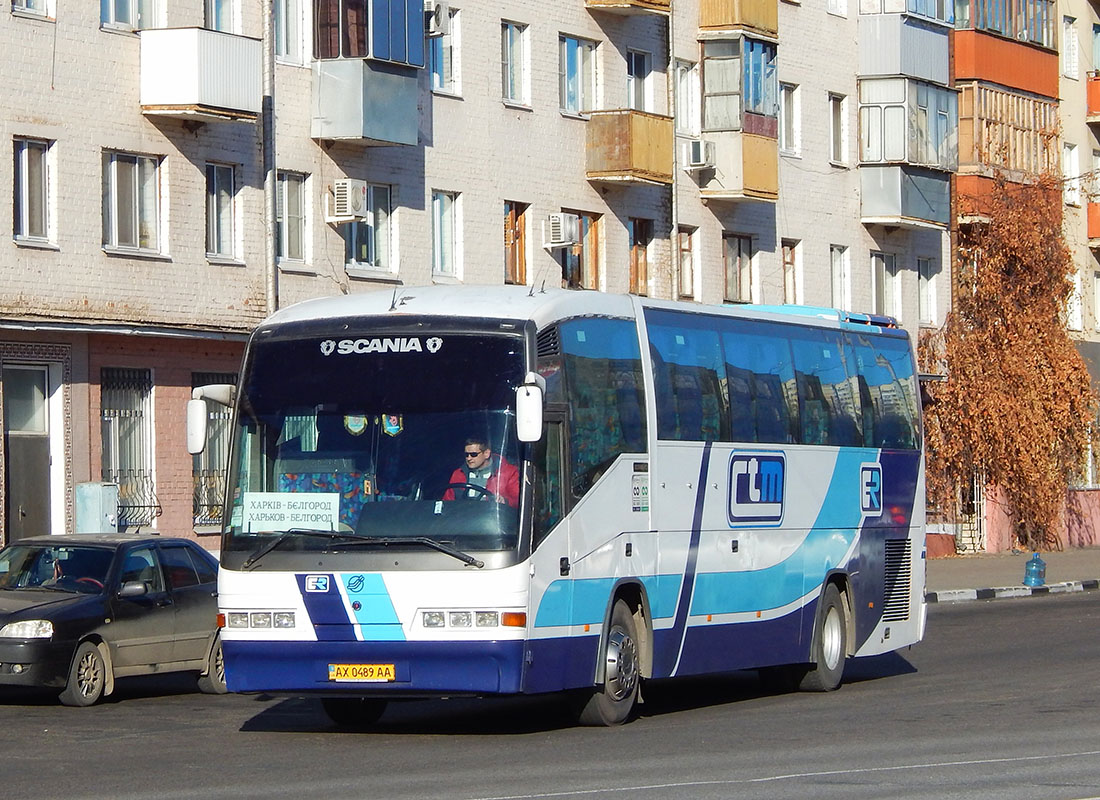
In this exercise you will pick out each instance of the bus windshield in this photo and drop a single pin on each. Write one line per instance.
(395, 440)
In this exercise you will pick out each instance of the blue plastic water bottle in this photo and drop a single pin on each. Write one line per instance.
(1035, 572)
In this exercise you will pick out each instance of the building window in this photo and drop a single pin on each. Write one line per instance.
(838, 144)
(127, 432)
(791, 283)
(942, 10)
(32, 7)
(910, 121)
(1075, 312)
(740, 71)
(576, 75)
(926, 291)
(288, 30)
(129, 14)
(686, 262)
(442, 57)
(639, 90)
(220, 195)
(210, 467)
(379, 29)
(131, 213)
(220, 15)
(737, 255)
(290, 217)
(1024, 20)
(515, 242)
(837, 7)
(513, 63)
(841, 277)
(885, 284)
(687, 98)
(31, 218)
(640, 233)
(1071, 175)
(445, 234)
(367, 241)
(1069, 47)
(580, 264)
(789, 127)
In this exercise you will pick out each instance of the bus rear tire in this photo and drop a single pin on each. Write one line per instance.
(353, 712)
(612, 703)
(830, 644)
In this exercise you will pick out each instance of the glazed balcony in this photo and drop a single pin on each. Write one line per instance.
(1092, 90)
(198, 73)
(760, 16)
(904, 196)
(627, 146)
(629, 6)
(359, 99)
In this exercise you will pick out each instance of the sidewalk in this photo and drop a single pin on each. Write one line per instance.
(995, 575)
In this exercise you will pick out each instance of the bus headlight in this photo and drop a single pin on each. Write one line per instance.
(434, 619)
(461, 619)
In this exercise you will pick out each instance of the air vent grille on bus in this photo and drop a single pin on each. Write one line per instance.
(899, 577)
(548, 342)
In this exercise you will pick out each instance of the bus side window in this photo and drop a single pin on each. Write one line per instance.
(763, 400)
(548, 499)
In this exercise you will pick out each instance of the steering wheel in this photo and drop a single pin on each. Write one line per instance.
(90, 580)
(464, 486)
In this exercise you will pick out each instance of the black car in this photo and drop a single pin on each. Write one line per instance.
(78, 611)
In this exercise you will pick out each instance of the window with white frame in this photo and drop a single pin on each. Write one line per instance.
(838, 130)
(443, 57)
(789, 123)
(1075, 312)
(580, 264)
(903, 120)
(126, 428)
(130, 14)
(288, 30)
(576, 74)
(131, 202)
(1071, 174)
(31, 218)
(515, 84)
(837, 7)
(210, 468)
(739, 79)
(221, 15)
(639, 89)
(1070, 49)
(885, 285)
(687, 98)
(792, 289)
(367, 241)
(290, 216)
(445, 256)
(686, 262)
(37, 7)
(841, 277)
(221, 192)
(737, 258)
(926, 290)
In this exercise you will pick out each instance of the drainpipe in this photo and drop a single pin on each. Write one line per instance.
(674, 219)
(267, 114)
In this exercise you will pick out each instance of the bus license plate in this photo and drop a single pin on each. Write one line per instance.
(361, 672)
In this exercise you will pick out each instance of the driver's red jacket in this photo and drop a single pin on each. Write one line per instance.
(503, 482)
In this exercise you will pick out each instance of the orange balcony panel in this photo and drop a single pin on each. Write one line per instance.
(629, 146)
(761, 16)
(1093, 95)
(628, 6)
(1094, 224)
(1026, 67)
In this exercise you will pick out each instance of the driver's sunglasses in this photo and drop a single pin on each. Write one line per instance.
(472, 453)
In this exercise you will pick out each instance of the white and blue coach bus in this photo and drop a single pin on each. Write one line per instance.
(665, 489)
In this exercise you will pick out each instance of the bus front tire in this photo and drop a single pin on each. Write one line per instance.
(830, 644)
(353, 712)
(612, 703)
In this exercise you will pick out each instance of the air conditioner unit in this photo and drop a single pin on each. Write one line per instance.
(349, 201)
(564, 230)
(437, 17)
(698, 154)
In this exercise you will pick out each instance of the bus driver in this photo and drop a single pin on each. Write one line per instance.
(482, 468)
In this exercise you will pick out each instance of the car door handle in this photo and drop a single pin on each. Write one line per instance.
(164, 601)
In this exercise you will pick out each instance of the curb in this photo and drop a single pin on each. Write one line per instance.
(961, 595)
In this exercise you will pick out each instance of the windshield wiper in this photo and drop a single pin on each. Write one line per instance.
(426, 541)
(263, 550)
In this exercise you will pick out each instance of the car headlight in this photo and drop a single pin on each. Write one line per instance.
(28, 629)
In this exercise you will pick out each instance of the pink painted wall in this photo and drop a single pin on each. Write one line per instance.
(1080, 525)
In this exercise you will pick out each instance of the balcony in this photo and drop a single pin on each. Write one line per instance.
(905, 196)
(1015, 65)
(197, 73)
(759, 16)
(746, 167)
(629, 6)
(1094, 225)
(626, 146)
(897, 44)
(360, 99)
(1092, 91)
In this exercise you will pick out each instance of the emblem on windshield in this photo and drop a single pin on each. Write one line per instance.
(327, 347)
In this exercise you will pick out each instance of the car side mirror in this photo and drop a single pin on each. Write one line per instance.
(132, 589)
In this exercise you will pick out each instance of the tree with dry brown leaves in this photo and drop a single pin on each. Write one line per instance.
(1016, 409)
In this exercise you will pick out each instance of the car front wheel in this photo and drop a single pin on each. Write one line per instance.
(213, 680)
(87, 677)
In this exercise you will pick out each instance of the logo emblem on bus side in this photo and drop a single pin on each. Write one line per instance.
(757, 481)
(870, 489)
(316, 583)
(327, 347)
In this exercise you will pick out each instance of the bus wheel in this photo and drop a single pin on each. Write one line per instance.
(612, 703)
(353, 712)
(830, 646)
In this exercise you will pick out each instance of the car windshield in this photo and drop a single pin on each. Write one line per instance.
(397, 438)
(72, 568)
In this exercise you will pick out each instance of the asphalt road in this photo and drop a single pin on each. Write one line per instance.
(999, 701)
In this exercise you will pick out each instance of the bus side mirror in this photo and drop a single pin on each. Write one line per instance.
(529, 408)
(197, 413)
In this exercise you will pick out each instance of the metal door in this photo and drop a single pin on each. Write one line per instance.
(26, 450)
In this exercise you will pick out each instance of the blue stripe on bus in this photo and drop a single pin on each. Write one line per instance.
(326, 610)
(376, 615)
(584, 601)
